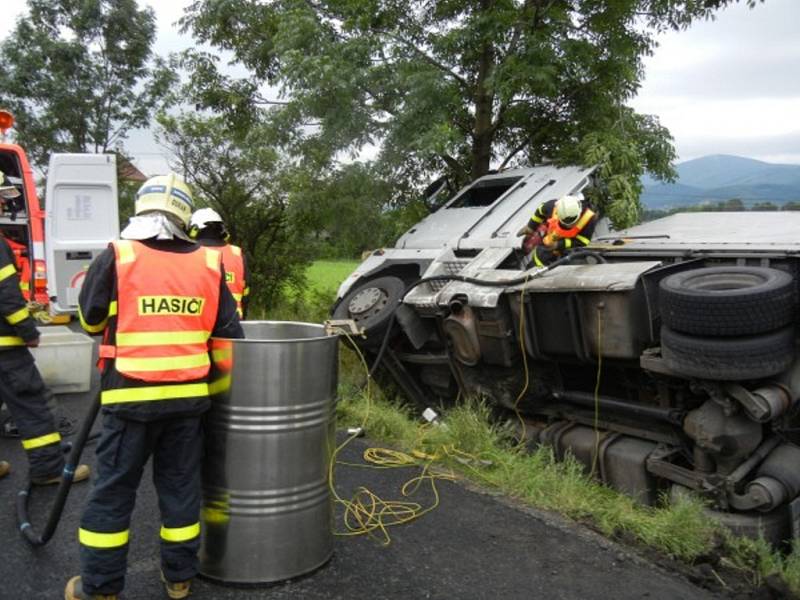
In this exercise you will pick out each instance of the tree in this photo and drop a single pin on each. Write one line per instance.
(249, 185)
(348, 211)
(459, 86)
(79, 75)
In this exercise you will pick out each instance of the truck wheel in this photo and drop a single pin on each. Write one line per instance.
(732, 359)
(727, 301)
(370, 305)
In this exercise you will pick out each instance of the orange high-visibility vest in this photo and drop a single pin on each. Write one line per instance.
(556, 232)
(166, 311)
(20, 252)
(234, 273)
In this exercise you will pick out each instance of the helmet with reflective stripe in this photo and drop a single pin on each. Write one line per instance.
(166, 193)
(569, 209)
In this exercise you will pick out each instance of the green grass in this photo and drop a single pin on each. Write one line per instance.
(312, 305)
(486, 454)
(327, 275)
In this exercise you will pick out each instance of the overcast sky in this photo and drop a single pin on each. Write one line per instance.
(728, 86)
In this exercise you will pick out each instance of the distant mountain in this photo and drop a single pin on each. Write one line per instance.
(723, 177)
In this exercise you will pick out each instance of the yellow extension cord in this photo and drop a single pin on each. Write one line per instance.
(366, 513)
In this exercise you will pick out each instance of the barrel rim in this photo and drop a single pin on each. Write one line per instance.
(317, 326)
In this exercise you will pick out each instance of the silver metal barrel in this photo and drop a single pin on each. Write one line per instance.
(269, 437)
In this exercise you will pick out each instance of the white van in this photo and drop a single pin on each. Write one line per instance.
(81, 218)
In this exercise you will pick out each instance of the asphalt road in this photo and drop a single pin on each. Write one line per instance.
(473, 545)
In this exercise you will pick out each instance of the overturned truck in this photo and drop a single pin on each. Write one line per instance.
(665, 356)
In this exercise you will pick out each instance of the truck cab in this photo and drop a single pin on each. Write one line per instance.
(22, 224)
(55, 243)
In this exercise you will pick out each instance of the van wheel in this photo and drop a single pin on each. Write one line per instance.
(370, 305)
(728, 359)
(727, 301)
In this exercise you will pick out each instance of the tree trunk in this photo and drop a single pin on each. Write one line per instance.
(483, 133)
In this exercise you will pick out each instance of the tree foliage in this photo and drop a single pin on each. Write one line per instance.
(349, 211)
(455, 86)
(80, 74)
(248, 184)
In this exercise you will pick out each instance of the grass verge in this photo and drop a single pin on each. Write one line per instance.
(486, 455)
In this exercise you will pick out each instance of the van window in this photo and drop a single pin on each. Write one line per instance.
(484, 193)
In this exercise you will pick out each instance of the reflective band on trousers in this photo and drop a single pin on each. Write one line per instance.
(160, 363)
(180, 534)
(42, 440)
(153, 393)
(93, 539)
(18, 316)
(10, 340)
(7, 272)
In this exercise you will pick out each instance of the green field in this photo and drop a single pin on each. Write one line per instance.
(326, 275)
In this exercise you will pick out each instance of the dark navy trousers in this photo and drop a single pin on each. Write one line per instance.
(176, 445)
(24, 392)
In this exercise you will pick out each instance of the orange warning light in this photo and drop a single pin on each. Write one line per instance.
(6, 120)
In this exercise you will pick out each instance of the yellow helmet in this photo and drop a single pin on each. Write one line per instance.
(166, 193)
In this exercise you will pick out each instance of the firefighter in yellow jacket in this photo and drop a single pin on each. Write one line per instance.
(558, 226)
(157, 298)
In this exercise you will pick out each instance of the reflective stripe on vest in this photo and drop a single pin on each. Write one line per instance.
(234, 273)
(222, 354)
(10, 340)
(166, 310)
(152, 393)
(556, 232)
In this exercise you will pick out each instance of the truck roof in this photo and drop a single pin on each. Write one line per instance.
(488, 212)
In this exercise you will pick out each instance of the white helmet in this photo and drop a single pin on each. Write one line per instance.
(569, 209)
(166, 193)
(202, 217)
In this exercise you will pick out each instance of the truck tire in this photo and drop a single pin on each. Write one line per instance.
(727, 301)
(728, 359)
(370, 305)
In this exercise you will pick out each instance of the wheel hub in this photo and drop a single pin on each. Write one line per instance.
(366, 300)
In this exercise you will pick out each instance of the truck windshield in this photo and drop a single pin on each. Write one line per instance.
(484, 193)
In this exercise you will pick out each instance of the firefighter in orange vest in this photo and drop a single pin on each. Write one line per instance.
(558, 226)
(207, 228)
(21, 385)
(156, 297)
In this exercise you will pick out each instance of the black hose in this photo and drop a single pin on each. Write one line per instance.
(25, 526)
(473, 281)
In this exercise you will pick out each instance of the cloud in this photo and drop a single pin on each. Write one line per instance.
(742, 53)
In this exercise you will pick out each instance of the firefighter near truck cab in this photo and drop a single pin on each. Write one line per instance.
(22, 219)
